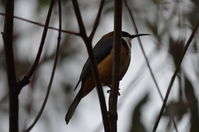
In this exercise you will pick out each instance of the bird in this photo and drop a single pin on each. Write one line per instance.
(104, 58)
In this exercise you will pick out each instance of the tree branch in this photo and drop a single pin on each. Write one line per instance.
(41, 25)
(11, 73)
(88, 43)
(174, 76)
(116, 61)
(97, 19)
(143, 51)
(53, 70)
(79, 19)
(26, 78)
(147, 61)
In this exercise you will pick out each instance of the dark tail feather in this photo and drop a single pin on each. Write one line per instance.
(73, 106)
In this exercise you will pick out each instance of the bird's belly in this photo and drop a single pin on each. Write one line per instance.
(105, 66)
(105, 71)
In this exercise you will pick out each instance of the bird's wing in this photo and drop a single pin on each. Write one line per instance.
(101, 50)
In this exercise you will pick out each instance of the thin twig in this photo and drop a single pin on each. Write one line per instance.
(143, 51)
(26, 78)
(174, 76)
(113, 99)
(97, 19)
(33, 68)
(41, 25)
(10, 65)
(53, 70)
(51, 78)
(147, 61)
(79, 19)
(94, 69)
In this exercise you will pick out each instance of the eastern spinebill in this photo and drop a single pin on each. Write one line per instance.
(104, 59)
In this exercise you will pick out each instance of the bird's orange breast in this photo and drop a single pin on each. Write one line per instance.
(105, 70)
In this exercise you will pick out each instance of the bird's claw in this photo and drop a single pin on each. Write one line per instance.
(109, 91)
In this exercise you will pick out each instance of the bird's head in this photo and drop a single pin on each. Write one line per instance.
(128, 37)
(125, 36)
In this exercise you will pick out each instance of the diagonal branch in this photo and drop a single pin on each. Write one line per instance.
(147, 61)
(41, 25)
(94, 69)
(174, 76)
(79, 19)
(143, 51)
(26, 78)
(53, 70)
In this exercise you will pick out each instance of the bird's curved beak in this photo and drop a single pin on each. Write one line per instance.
(138, 35)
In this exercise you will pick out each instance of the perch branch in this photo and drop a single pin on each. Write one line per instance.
(113, 99)
(88, 43)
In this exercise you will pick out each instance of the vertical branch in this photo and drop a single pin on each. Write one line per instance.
(11, 74)
(88, 43)
(174, 76)
(116, 61)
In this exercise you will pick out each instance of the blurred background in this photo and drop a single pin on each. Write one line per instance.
(169, 21)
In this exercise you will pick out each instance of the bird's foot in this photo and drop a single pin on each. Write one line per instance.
(109, 91)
